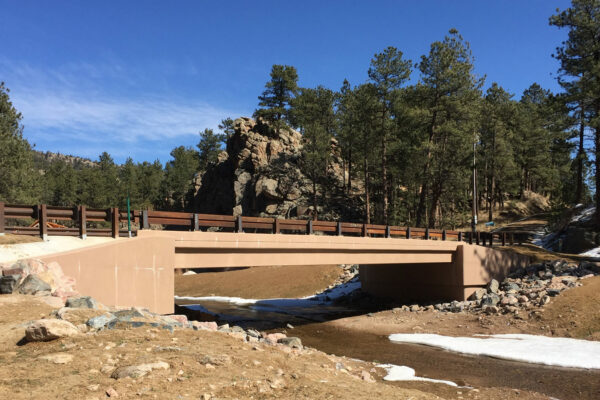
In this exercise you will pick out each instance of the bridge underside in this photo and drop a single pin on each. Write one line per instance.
(139, 271)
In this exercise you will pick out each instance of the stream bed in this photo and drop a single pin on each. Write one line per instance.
(308, 318)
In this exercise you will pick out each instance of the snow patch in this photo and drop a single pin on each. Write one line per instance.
(584, 215)
(321, 298)
(403, 373)
(561, 352)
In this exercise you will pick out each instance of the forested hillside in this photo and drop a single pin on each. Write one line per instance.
(408, 139)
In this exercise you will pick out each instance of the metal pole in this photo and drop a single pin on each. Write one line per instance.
(474, 208)
(128, 216)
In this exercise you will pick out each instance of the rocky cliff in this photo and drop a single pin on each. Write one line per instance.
(260, 174)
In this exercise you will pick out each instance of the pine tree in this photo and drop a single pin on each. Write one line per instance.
(279, 91)
(177, 189)
(449, 94)
(209, 147)
(312, 111)
(18, 179)
(579, 58)
(388, 72)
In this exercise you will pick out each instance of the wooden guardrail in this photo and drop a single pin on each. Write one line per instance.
(80, 216)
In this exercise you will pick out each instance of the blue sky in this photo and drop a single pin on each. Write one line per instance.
(137, 78)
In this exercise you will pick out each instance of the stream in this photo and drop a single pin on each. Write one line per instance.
(309, 320)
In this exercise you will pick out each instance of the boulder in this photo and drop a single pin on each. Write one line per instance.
(136, 371)
(101, 321)
(32, 284)
(490, 299)
(493, 286)
(82, 302)
(261, 174)
(44, 330)
(478, 295)
(8, 283)
(291, 342)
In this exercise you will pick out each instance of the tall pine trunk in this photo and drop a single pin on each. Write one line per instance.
(367, 202)
(580, 157)
(424, 186)
(384, 180)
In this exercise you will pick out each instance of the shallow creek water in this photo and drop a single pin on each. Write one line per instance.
(310, 324)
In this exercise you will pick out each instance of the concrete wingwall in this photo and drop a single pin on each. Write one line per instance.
(124, 273)
(472, 268)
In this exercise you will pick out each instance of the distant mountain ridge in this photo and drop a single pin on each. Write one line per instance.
(43, 159)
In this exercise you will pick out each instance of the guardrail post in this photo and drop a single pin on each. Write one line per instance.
(511, 238)
(477, 237)
(309, 227)
(82, 222)
(426, 233)
(339, 228)
(491, 239)
(388, 231)
(364, 230)
(114, 222)
(144, 223)
(503, 238)
(408, 232)
(276, 225)
(483, 238)
(470, 237)
(195, 224)
(443, 234)
(239, 228)
(460, 236)
(42, 219)
(2, 223)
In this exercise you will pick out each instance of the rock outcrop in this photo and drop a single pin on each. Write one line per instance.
(260, 174)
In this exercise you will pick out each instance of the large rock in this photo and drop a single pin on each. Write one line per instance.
(32, 284)
(44, 330)
(8, 283)
(82, 302)
(261, 175)
(136, 371)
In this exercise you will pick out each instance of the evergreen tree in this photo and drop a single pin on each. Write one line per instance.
(449, 94)
(312, 111)
(18, 179)
(178, 189)
(579, 58)
(278, 93)
(209, 147)
(388, 72)
(498, 114)
(226, 126)
(60, 184)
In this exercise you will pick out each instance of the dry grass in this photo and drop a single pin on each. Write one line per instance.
(16, 239)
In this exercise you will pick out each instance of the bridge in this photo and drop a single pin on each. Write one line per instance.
(139, 271)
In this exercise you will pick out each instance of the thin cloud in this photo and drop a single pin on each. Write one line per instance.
(70, 104)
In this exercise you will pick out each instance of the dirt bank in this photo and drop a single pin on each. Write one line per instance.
(201, 364)
(259, 282)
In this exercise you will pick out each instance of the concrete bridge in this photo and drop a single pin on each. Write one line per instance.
(140, 271)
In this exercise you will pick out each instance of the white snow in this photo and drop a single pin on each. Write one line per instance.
(54, 244)
(403, 373)
(309, 301)
(561, 352)
(591, 253)
(584, 215)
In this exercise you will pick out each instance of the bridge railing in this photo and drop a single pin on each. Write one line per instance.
(81, 221)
